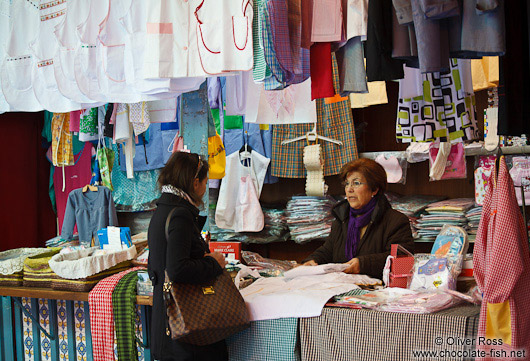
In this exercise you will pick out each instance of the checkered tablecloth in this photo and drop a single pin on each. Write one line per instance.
(267, 340)
(342, 334)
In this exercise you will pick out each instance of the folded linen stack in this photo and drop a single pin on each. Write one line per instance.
(451, 212)
(309, 217)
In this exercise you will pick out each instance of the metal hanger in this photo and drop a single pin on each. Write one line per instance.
(312, 136)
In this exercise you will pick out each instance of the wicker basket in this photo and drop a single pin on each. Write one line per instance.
(12, 265)
(37, 271)
(87, 283)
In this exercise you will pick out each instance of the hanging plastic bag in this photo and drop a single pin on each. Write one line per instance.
(249, 216)
(447, 161)
(482, 174)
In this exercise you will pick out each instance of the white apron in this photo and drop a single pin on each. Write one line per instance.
(68, 40)
(135, 23)
(87, 63)
(5, 23)
(225, 213)
(171, 41)
(16, 68)
(224, 33)
(111, 50)
(44, 47)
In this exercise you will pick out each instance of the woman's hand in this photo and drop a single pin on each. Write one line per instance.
(310, 263)
(353, 266)
(219, 257)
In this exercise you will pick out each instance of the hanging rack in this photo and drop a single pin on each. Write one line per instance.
(312, 136)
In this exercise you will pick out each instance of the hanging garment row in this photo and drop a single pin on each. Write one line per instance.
(67, 55)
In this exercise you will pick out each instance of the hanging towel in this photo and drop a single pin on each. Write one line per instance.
(101, 316)
(123, 305)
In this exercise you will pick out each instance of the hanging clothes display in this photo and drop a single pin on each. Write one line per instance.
(291, 105)
(485, 72)
(68, 44)
(90, 211)
(75, 176)
(44, 47)
(88, 125)
(61, 140)
(195, 38)
(87, 62)
(18, 64)
(110, 48)
(352, 73)
(334, 120)
(138, 193)
(225, 213)
(356, 18)
(283, 32)
(260, 71)
(446, 111)
(501, 265)
(378, 47)
(376, 95)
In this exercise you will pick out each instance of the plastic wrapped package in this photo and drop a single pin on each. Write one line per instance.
(435, 273)
(452, 240)
(269, 267)
(309, 217)
(422, 302)
(483, 167)
(395, 166)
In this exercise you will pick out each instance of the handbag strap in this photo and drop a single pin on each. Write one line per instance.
(167, 222)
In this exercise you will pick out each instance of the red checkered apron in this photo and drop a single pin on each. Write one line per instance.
(502, 269)
(102, 317)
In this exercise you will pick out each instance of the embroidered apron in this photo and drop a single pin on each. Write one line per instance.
(18, 63)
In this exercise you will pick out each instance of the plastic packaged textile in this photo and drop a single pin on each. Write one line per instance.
(435, 273)
(452, 240)
(395, 166)
(270, 267)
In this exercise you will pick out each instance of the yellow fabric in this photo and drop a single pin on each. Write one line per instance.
(485, 72)
(216, 157)
(499, 322)
(62, 153)
(376, 95)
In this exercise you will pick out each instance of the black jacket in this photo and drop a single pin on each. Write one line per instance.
(183, 258)
(387, 226)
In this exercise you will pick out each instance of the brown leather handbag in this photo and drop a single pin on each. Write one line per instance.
(201, 314)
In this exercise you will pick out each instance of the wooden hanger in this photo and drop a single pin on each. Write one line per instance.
(90, 187)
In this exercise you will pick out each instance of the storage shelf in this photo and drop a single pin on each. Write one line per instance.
(471, 151)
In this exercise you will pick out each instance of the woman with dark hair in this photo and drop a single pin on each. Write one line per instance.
(184, 254)
(365, 224)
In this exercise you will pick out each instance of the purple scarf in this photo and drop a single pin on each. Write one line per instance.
(358, 219)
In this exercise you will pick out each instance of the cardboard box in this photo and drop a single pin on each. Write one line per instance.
(231, 250)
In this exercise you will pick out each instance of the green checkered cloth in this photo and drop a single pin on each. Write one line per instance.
(123, 306)
(260, 71)
(334, 121)
(266, 340)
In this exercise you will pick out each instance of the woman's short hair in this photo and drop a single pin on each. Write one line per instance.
(373, 172)
(181, 170)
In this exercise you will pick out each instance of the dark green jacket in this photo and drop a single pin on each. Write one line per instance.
(387, 226)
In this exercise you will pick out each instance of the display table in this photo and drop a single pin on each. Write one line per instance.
(352, 334)
(55, 325)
